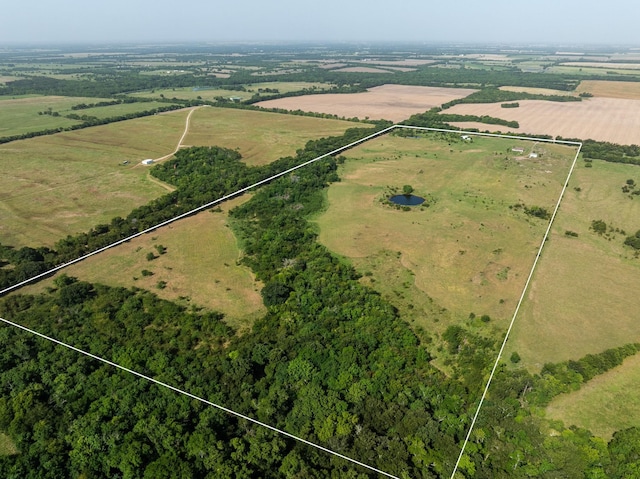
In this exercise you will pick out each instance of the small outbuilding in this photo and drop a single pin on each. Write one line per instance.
(466, 138)
(147, 162)
(517, 150)
(533, 155)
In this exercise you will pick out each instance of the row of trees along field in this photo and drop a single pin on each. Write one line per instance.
(331, 361)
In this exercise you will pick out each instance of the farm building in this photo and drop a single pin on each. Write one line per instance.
(466, 138)
(147, 162)
(533, 155)
(517, 150)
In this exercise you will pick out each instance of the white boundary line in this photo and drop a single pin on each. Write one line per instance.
(515, 314)
(192, 396)
(231, 195)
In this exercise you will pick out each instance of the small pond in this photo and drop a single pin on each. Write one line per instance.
(407, 200)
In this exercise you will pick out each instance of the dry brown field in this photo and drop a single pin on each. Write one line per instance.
(603, 119)
(389, 102)
(611, 89)
(407, 62)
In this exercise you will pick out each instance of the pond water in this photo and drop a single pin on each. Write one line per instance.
(407, 200)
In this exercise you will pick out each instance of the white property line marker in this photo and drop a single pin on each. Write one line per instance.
(515, 314)
(192, 396)
(231, 195)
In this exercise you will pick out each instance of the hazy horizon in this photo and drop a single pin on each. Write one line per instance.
(37, 22)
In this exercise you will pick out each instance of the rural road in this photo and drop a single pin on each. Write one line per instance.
(184, 134)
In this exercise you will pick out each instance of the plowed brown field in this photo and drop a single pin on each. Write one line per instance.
(604, 119)
(389, 102)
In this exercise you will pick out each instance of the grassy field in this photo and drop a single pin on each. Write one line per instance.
(611, 89)
(191, 93)
(468, 251)
(584, 296)
(7, 447)
(605, 404)
(199, 267)
(66, 183)
(20, 115)
(118, 110)
(62, 184)
(261, 137)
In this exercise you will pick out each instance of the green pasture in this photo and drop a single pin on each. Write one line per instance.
(21, 115)
(469, 251)
(64, 184)
(584, 295)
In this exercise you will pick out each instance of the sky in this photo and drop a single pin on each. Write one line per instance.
(466, 21)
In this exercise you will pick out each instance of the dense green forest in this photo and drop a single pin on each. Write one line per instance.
(331, 361)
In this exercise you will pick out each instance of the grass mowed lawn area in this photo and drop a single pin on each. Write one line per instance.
(260, 137)
(605, 404)
(470, 251)
(66, 183)
(198, 268)
(584, 296)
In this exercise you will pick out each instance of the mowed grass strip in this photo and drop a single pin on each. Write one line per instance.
(66, 183)
(584, 296)
(467, 252)
(605, 404)
(199, 267)
(260, 137)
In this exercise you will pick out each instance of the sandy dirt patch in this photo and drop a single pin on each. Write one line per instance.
(603, 119)
(389, 102)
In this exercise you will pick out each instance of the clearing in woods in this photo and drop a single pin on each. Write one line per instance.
(471, 249)
(198, 268)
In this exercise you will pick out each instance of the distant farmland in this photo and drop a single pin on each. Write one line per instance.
(605, 119)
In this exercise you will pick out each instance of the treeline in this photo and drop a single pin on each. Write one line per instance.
(495, 95)
(612, 152)
(434, 119)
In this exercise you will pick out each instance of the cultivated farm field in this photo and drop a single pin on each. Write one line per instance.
(610, 89)
(604, 119)
(470, 251)
(389, 102)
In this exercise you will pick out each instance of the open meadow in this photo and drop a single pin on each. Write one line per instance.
(583, 298)
(604, 119)
(63, 184)
(471, 249)
(197, 267)
(389, 102)
(260, 137)
(25, 114)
